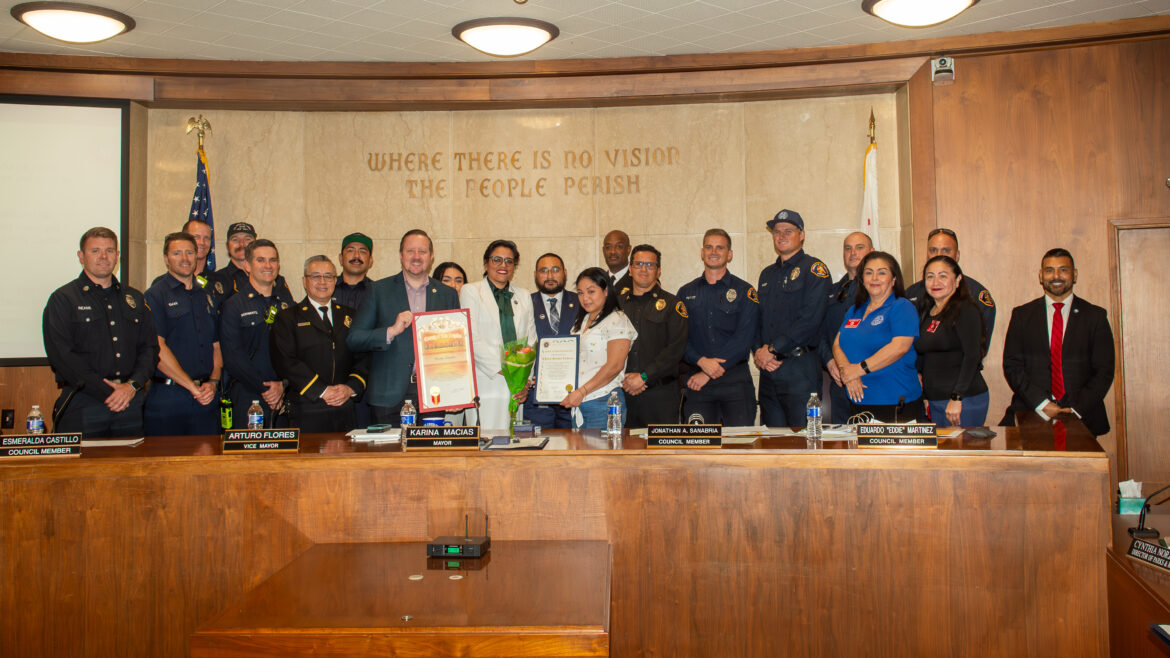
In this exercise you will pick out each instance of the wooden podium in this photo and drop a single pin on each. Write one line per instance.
(526, 598)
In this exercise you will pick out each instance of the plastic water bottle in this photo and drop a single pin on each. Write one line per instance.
(35, 424)
(812, 428)
(255, 416)
(613, 423)
(406, 417)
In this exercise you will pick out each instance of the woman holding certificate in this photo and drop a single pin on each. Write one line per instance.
(606, 335)
(500, 313)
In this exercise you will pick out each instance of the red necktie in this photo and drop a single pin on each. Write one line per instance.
(1055, 352)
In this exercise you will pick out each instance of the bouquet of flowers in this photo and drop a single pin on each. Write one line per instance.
(516, 360)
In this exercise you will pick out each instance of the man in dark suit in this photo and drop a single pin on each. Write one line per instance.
(322, 377)
(384, 325)
(555, 311)
(1058, 353)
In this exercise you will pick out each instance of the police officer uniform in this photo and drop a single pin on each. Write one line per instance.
(93, 333)
(723, 319)
(186, 320)
(661, 321)
(309, 353)
(841, 297)
(793, 297)
(979, 294)
(244, 324)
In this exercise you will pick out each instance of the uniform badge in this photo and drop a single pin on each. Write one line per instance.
(878, 320)
(624, 291)
(660, 304)
(681, 308)
(434, 290)
(753, 296)
(304, 308)
(283, 305)
(933, 326)
(730, 295)
(795, 274)
(130, 301)
(219, 287)
(852, 324)
(820, 270)
(347, 321)
(985, 297)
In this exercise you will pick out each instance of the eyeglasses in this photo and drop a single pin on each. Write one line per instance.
(644, 265)
(320, 278)
(500, 260)
(944, 231)
(550, 270)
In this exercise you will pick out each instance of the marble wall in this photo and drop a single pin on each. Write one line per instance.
(552, 180)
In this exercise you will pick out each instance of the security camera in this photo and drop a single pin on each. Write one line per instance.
(942, 70)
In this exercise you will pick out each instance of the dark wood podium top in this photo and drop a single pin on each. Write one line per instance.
(524, 596)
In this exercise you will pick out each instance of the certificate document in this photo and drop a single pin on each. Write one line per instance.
(445, 360)
(556, 368)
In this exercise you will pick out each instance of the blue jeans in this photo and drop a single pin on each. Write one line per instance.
(596, 412)
(973, 413)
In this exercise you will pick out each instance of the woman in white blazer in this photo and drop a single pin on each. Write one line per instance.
(493, 302)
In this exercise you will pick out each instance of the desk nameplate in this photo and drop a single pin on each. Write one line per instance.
(17, 446)
(896, 435)
(684, 436)
(1146, 552)
(434, 437)
(270, 440)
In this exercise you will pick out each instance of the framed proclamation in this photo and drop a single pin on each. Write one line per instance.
(445, 359)
(556, 368)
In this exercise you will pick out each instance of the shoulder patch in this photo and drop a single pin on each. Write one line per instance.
(985, 298)
(753, 296)
(820, 270)
(681, 308)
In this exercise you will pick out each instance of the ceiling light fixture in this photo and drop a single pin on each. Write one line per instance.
(916, 13)
(505, 37)
(73, 21)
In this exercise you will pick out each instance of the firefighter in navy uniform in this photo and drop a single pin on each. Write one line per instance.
(228, 280)
(724, 311)
(182, 400)
(244, 324)
(651, 381)
(309, 353)
(794, 293)
(101, 344)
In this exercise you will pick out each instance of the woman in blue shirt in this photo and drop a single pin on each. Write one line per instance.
(874, 346)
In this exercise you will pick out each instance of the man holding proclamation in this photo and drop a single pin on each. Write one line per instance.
(101, 344)
(384, 326)
(182, 401)
(1058, 354)
(794, 292)
(556, 310)
(651, 379)
(309, 353)
(724, 311)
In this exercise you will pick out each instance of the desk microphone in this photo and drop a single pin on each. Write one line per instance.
(898, 409)
(1141, 530)
(475, 400)
(696, 419)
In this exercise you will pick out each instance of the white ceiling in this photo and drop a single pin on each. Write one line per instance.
(420, 30)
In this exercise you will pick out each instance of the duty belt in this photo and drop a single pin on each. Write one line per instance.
(799, 351)
(166, 381)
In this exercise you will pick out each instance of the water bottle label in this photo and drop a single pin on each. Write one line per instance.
(814, 412)
(255, 419)
(615, 410)
(36, 425)
(406, 419)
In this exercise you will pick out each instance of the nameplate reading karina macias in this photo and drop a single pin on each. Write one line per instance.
(40, 445)
(282, 440)
(684, 436)
(883, 435)
(457, 437)
(1152, 554)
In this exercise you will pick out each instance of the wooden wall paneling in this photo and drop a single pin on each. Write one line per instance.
(923, 201)
(83, 85)
(1140, 132)
(23, 386)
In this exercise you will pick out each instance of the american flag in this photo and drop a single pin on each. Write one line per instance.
(201, 202)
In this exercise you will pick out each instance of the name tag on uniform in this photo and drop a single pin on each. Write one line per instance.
(933, 325)
(852, 323)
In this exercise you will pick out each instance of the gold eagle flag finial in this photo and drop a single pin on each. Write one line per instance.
(200, 125)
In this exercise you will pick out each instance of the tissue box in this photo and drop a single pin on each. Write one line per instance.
(1130, 505)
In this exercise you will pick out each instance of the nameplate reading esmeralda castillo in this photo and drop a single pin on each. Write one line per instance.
(441, 437)
(276, 440)
(684, 436)
(891, 435)
(1152, 554)
(40, 445)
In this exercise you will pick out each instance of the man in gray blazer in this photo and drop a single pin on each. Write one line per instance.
(384, 325)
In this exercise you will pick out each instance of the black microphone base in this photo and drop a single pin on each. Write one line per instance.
(1144, 533)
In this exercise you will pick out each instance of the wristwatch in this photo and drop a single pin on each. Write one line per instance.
(864, 366)
(956, 397)
(135, 385)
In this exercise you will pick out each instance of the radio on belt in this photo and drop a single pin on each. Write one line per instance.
(465, 546)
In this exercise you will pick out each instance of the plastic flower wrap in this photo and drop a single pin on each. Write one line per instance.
(516, 360)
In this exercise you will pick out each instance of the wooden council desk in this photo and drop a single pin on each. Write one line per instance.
(982, 547)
